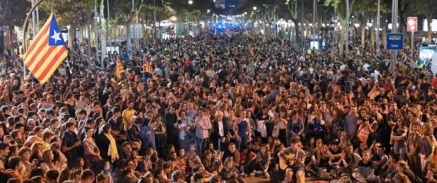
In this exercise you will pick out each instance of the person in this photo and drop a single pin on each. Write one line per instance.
(91, 150)
(295, 164)
(87, 176)
(203, 125)
(365, 168)
(70, 144)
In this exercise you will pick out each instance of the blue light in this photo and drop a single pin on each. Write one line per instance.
(223, 25)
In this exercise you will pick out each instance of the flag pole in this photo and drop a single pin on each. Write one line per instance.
(25, 26)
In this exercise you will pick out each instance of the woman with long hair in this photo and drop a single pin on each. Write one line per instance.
(412, 148)
(24, 154)
(36, 151)
(182, 159)
(398, 136)
(243, 127)
(160, 136)
(324, 158)
(47, 161)
(107, 144)
(91, 150)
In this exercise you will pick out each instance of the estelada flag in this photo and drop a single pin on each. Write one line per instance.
(46, 52)
(118, 68)
(147, 67)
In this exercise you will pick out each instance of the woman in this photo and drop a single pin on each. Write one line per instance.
(92, 153)
(229, 171)
(243, 127)
(412, 149)
(192, 152)
(295, 126)
(324, 158)
(47, 161)
(160, 137)
(207, 161)
(107, 144)
(170, 149)
(182, 159)
(36, 151)
(24, 154)
(280, 130)
(317, 126)
(59, 156)
(79, 164)
(128, 176)
(261, 127)
(398, 134)
(366, 125)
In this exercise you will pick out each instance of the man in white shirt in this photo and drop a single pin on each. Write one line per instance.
(203, 125)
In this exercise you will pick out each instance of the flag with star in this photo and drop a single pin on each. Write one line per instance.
(46, 52)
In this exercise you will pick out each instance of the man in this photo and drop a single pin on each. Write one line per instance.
(233, 153)
(295, 157)
(15, 165)
(131, 129)
(402, 167)
(87, 176)
(128, 112)
(219, 130)
(147, 135)
(203, 125)
(70, 144)
(426, 146)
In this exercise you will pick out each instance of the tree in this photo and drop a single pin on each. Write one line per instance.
(69, 12)
(427, 8)
(344, 9)
(365, 12)
(12, 13)
(127, 11)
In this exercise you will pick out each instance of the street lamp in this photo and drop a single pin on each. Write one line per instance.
(254, 8)
(190, 2)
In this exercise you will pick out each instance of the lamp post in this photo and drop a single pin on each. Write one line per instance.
(314, 16)
(394, 29)
(347, 27)
(190, 2)
(154, 18)
(103, 33)
(95, 29)
(33, 20)
(378, 22)
(107, 29)
(25, 26)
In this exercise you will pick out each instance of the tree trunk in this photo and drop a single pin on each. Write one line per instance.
(342, 37)
(71, 35)
(429, 33)
(81, 34)
(363, 25)
(384, 33)
(298, 34)
(128, 25)
(372, 35)
(348, 13)
(89, 28)
(102, 34)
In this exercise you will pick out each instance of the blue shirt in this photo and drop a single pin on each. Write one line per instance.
(147, 140)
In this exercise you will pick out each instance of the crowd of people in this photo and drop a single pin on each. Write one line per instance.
(220, 109)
